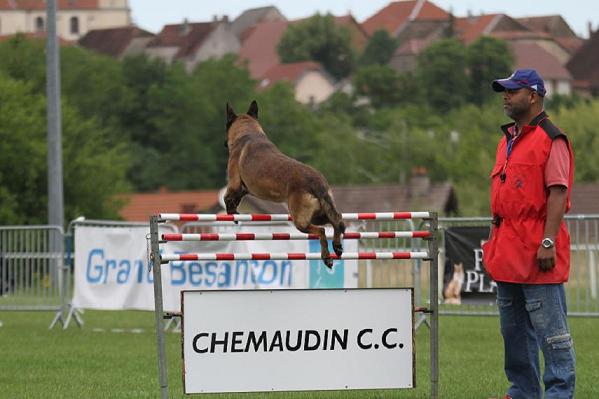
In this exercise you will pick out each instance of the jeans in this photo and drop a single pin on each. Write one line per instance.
(533, 317)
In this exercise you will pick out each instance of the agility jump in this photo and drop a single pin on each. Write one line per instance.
(156, 259)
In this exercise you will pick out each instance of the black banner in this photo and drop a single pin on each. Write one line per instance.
(465, 279)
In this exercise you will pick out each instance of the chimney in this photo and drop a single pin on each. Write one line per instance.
(184, 27)
(420, 182)
(226, 19)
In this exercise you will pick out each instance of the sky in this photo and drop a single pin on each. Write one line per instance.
(153, 14)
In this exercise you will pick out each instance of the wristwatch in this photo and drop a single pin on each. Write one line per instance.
(547, 243)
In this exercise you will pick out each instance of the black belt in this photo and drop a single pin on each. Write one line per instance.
(497, 220)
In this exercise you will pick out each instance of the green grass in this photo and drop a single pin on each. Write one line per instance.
(82, 363)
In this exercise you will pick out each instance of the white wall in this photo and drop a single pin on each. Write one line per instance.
(15, 21)
(313, 87)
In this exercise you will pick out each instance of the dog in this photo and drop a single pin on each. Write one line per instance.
(453, 291)
(257, 167)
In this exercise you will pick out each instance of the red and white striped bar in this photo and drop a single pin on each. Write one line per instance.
(291, 236)
(192, 217)
(290, 256)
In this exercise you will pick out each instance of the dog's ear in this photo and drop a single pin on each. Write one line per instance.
(253, 111)
(230, 115)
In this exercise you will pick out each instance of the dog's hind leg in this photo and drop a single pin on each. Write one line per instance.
(302, 208)
(324, 250)
(334, 218)
(338, 229)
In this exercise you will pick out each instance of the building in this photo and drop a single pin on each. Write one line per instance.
(414, 37)
(259, 47)
(584, 67)
(140, 206)
(557, 27)
(254, 16)
(310, 82)
(419, 194)
(416, 24)
(192, 43)
(395, 15)
(555, 75)
(117, 42)
(532, 48)
(74, 17)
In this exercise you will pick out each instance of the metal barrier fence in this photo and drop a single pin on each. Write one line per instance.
(581, 289)
(32, 276)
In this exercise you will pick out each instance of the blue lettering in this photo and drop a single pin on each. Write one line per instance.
(224, 277)
(238, 265)
(140, 270)
(286, 267)
(123, 274)
(97, 269)
(195, 273)
(110, 263)
(211, 273)
(177, 279)
(273, 275)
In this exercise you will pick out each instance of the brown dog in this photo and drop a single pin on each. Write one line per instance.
(257, 167)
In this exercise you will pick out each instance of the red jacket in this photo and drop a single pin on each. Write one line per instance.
(519, 207)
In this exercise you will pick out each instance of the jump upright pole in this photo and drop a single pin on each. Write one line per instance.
(158, 306)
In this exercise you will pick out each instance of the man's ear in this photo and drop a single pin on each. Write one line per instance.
(253, 111)
(230, 115)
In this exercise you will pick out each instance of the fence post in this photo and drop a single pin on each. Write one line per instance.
(156, 264)
(433, 250)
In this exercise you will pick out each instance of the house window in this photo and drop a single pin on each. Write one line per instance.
(74, 25)
(39, 24)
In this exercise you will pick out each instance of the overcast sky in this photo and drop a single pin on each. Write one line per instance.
(153, 14)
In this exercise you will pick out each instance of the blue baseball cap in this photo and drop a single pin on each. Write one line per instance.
(528, 78)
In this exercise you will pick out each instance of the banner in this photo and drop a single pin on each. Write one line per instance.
(111, 267)
(465, 279)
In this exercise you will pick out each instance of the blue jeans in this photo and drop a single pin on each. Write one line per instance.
(533, 317)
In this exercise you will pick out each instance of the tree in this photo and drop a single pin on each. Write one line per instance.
(487, 59)
(319, 39)
(94, 167)
(442, 74)
(384, 87)
(23, 59)
(379, 49)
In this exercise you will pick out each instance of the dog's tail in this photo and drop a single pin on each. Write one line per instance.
(331, 212)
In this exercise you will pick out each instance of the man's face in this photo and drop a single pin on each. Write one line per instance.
(517, 103)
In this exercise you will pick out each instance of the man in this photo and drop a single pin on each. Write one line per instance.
(528, 252)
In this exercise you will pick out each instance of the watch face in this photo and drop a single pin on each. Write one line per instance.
(547, 243)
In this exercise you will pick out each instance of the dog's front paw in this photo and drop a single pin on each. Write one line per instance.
(328, 262)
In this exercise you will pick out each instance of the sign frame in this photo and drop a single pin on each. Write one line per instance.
(407, 294)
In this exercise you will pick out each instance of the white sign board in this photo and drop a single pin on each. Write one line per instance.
(297, 340)
(111, 268)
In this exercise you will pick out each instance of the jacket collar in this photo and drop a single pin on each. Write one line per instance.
(533, 123)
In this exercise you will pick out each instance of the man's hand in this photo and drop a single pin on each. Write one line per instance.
(546, 258)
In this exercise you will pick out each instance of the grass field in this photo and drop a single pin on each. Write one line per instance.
(114, 356)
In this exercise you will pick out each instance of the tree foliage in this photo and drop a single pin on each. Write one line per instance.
(486, 59)
(319, 39)
(442, 74)
(379, 48)
(94, 168)
(140, 124)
